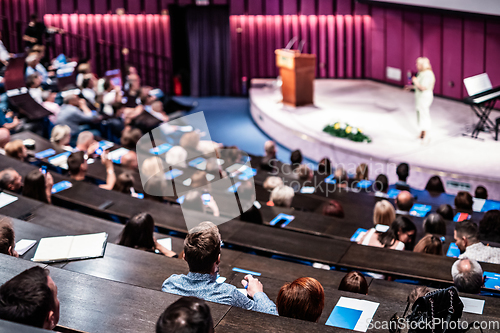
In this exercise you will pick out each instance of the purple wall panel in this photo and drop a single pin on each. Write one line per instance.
(304, 34)
(474, 48)
(262, 52)
(394, 41)
(151, 7)
(272, 7)
(325, 7)
(361, 8)
(289, 7)
(340, 46)
(255, 7)
(358, 46)
(378, 44)
(432, 46)
(492, 52)
(220, 2)
(233, 26)
(67, 7)
(412, 41)
(307, 7)
(237, 7)
(100, 7)
(367, 63)
(84, 7)
(344, 7)
(322, 60)
(452, 57)
(331, 46)
(279, 42)
(134, 7)
(349, 46)
(270, 45)
(313, 40)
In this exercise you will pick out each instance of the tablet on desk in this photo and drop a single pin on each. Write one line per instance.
(461, 217)
(364, 184)
(169, 175)
(420, 210)
(453, 251)
(45, 153)
(358, 234)
(393, 193)
(492, 280)
(161, 149)
(61, 186)
(331, 179)
(282, 220)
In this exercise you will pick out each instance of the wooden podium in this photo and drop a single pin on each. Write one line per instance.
(297, 72)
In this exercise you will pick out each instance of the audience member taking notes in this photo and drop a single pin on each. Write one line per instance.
(202, 253)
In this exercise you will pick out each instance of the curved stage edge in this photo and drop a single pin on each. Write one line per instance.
(385, 113)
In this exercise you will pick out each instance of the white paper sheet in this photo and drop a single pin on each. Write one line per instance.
(472, 305)
(166, 242)
(70, 247)
(368, 311)
(23, 246)
(6, 199)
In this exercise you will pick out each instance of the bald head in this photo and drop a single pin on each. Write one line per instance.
(404, 201)
(129, 160)
(270, 148)
(4, 137)
(467, 275)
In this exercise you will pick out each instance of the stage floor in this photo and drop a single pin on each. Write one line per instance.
(387, 115)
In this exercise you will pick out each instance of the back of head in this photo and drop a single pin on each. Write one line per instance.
(193, 201)
(7, 237)
(4, 136)
(14, 149)
(296, 157)
(383, 213)
(303, 299)
(186, 315)
(26, 298)
(124, 182)
(362, 172)
(468, 230)
(7, 177)
(467, 275)
(59, 132)
(129, 160)
(404, 201)
(489, 226)
(303, 172)
(130, 138)
(430, 244)
(138, 232)
(272, 182)
(333, 208)
(85, 139)
(282, 196)
(463, 201)
(434, 224)
(325, 167)
(446, 211)
(199, 179)
(75, 161)
(177, 155)
(151, 166)
(34, 186)
(354, 282)
(189, 141)
(435, 185)
(202, 247)
(403, 171)
(270, 148)
(402, 224)
(340, 175)
(381, 183)
(481, 192)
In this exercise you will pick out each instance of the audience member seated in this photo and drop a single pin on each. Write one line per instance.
(303, 173)
(325, 167)
(435, 185)
(157, 111)
(269, 161)
(77, 167)
(333, 208)
(7, 237)
(129, 160)
(86, 143)
(467, 276)
(282, 196)
(199, 179)
(88, 89)
(193, 201)
(416, 293)
(253, 215)
(272, 182)
(481, 192)
(186, 315)
(404, 230)
(177, 156)
(4, 139)
(384, 215)
(489, 226)
(434, 224)
(362, 172)
(404, 202)
(49, 103)
(60, 137)
(124, 183)
(354, 282)
(403, 171)
(341, 177)
(296, 159)
(189, 141)
(129, 138)
(466, 238)
(16, 149)
(446, 212)
(430, 244)
(202, 253)
(11, 180)
(30, 298)
(75, 112)
(111, 95)
(38, 186)
(302, 299)
(381, 184)
(138, 234)
(463, 201)
(33, 83)
(33, 66)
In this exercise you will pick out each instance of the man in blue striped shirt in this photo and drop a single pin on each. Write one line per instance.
(202, 253)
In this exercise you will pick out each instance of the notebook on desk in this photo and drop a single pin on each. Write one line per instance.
(66, 248)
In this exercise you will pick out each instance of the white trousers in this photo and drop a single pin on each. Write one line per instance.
(423, 101)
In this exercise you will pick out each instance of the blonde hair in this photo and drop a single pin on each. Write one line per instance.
(14, 148)
(151, 166)
(176, 156)
(282, 196)
(272, 182)
(425, 62)
(383, 213)
(59, 132)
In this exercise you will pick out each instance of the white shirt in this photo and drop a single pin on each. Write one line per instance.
(89, 95)
(481, 252)
(4, 54)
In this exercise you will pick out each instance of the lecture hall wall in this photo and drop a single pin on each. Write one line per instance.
(350, 39)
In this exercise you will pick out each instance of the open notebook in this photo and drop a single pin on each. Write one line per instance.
(65, 248)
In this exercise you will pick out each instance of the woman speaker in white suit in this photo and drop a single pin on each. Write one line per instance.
(423, 83)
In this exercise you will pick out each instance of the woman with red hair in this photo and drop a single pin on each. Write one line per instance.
(303, 299)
